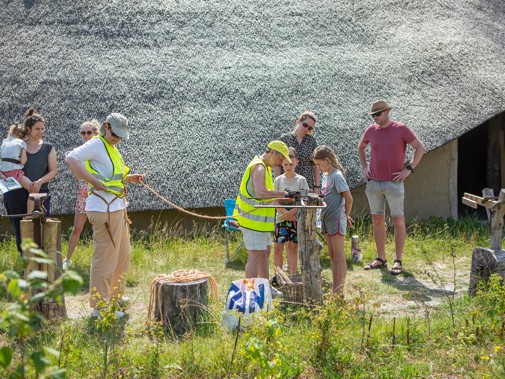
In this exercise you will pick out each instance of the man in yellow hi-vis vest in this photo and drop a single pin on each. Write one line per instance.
(257, 224)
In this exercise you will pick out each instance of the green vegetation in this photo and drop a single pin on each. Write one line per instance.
(21, 322)
(418, 325)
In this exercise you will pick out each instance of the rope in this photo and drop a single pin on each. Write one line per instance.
(179, 276)
(192, 213)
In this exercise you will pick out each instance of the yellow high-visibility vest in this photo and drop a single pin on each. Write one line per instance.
(115, 183)
(259, 219)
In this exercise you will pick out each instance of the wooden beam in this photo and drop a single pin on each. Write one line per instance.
(475, 198)
(470, 203)
(485, 202)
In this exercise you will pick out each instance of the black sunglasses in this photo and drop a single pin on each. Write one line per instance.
(306, 126)
(114, 135)
(88, 132)
(377, 114)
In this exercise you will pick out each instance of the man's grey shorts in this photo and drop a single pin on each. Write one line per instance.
(380, 191)
(254, 240)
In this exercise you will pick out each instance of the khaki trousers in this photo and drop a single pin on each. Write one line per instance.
(109, 264)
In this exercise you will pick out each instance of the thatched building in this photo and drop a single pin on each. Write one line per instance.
(206, 84)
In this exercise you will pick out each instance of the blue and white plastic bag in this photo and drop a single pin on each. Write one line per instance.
(246, 297)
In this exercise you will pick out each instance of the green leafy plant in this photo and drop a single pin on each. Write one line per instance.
(109, 329)
(264, 349)
(21, 321)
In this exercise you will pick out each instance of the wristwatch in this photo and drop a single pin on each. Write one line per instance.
(409, 167)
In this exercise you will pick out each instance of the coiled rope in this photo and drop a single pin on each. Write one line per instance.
(179, 276)
(193, 213)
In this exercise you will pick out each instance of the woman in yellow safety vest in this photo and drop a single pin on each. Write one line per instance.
(257, 224)
(100, 164)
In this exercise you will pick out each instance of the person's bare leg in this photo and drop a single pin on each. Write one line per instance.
(26, 183)
(379, 234)
(251, 267)
(292, 252)
(278, 252)
(263, 257)
(338, 264)
(73, 240)
(400, 236)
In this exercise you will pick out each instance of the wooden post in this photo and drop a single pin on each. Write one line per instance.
(488, 261)
(488, 193)
(309, 249)
(179, 306)
(497, 222)
(50, 234)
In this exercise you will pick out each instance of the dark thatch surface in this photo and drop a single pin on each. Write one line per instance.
(206, 84)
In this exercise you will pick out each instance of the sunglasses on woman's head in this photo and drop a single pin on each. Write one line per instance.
(35, 118)
(306, 126)
(88, 132)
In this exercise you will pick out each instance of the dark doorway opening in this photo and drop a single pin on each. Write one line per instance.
(472, 168)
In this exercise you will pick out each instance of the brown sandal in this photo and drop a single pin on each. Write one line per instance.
(370, 266)
(397, 270)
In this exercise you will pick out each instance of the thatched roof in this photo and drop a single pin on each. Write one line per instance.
(206, 84)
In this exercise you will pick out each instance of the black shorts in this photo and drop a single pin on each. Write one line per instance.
(285, 231)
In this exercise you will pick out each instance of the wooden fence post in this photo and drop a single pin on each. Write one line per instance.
(496, 218)
(488, 261)
(309, 249)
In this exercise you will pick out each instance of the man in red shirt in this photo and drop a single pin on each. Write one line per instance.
(386, 172)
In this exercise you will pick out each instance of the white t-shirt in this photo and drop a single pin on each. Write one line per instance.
(11, 148)
(95, 152)
(293, 184)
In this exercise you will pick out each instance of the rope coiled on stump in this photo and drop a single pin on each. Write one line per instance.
(179, 276)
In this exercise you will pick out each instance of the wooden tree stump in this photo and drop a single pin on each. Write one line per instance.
(179, 306)
(50, 234)
(484, 263)
(309, 249)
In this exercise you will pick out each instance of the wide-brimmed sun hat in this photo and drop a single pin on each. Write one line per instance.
(119, 124)
(380, 105)
(280, 147)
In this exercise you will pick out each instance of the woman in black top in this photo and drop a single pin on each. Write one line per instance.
(302, 139)
(40, 168)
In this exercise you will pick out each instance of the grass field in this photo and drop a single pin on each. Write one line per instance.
(418, 325)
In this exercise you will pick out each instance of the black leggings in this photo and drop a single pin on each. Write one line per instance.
(15, 203)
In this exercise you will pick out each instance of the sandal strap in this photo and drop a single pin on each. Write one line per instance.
(383, 261)
(398, 261)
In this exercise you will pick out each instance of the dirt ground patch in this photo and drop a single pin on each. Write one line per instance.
(419, 287)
